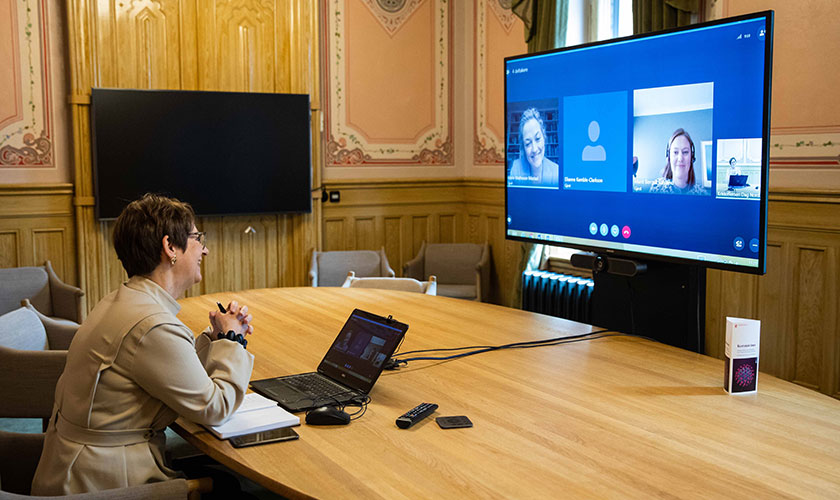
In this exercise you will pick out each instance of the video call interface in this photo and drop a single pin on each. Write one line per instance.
(361, 348)
(650, 145)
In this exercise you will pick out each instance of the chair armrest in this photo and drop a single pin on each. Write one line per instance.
(66, 299)
(174, 489)
(414, 267)
(60, 332)
(482, 271)
(313, 269)
(19, 454)
(29, 379)
(384, 266)
(431, 288)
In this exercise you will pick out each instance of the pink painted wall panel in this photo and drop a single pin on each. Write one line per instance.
(501, 43)
(806, 66)
(390, 78)
(10, 95)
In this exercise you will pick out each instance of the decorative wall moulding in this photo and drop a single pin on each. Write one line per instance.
(805, 161)
(806, 144)
(392, 14)
(26, 121)
(388, 80)
(495, 38)
(501, 8)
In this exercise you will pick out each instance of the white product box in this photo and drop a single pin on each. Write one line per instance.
(742, 346)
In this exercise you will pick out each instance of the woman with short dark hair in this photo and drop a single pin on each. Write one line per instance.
(134, 367)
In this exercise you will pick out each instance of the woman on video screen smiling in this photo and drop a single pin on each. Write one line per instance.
(532, 168)
(678, 175)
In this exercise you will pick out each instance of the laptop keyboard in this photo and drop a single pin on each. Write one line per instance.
(317, 386)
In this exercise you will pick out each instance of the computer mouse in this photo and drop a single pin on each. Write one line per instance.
(327, 415)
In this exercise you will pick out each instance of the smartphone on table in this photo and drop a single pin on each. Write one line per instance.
(272, 436)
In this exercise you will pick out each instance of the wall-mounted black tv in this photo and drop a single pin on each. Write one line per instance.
(226, 153)
(653, 147)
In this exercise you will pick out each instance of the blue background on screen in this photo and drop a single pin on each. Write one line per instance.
(610, 111)
(693, 223)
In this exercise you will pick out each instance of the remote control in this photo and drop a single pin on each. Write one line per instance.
(415, 415)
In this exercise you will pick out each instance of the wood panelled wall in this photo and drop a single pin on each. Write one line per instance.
(36, 224)
(797, 300)
(230, 45)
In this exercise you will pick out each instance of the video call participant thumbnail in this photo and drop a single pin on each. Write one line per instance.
(532, 168)
(678, 175)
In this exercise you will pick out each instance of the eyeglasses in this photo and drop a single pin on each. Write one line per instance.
(200, 237)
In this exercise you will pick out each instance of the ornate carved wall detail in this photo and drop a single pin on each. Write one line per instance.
(392, 14)
(26, 119)
(338, 155)
(442, 155)
(391, 5)
(502, 10)
(484, 155)
(359, 132)
(35, 152)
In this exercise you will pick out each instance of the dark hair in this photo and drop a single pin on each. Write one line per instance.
(140, 228)
(667, 173)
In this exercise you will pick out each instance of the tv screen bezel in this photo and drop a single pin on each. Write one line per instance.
(761, 268)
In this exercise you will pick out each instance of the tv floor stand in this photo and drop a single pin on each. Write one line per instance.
(660, 300)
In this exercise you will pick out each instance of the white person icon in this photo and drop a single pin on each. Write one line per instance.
(597, 152)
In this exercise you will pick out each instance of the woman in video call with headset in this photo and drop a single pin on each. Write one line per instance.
(532, 168)
(678, 176)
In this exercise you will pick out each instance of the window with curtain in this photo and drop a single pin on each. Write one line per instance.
(590, 21)
(594, 20)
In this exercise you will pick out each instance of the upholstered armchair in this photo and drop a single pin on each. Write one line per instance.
(19, 456)
(403, 284)
(45, 291)
(331, 268)
(462, 269)
(32, 357)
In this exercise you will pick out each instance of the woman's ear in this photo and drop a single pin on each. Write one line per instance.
(167, 248)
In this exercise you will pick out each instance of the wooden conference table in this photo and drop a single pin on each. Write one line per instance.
(616, 417)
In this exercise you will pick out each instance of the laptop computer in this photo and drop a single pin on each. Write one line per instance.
(737, 181)
(349, 369)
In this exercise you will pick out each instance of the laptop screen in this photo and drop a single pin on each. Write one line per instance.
(358, 354)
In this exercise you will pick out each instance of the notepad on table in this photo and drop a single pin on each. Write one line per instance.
(256, 414)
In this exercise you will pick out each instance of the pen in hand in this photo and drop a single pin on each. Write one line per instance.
(221, 307)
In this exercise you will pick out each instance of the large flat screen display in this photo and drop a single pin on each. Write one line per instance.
(652, 146)
(225, 153)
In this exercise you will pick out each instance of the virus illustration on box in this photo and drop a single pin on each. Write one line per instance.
(744, 375)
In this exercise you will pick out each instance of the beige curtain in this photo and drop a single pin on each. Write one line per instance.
(654, 15)
(545, 22)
